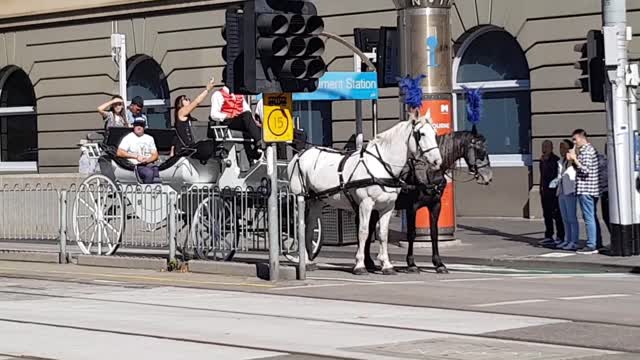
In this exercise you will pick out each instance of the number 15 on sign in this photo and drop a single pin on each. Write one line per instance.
(277, 125)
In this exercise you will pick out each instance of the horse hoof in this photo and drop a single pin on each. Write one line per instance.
(389, 271)
(360, 271)
(442, 270)
(413, 269)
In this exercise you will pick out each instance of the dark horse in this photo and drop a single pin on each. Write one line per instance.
(425, 188)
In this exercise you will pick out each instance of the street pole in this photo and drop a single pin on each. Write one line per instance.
(119, 53)
(274, 239)
(424, 27)
(635, 158)
(619, 129)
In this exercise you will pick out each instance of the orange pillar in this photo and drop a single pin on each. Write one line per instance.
(441, 116)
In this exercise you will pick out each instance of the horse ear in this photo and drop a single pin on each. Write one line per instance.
(414, 115)
(427, 116)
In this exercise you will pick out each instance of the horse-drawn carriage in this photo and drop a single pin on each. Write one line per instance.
(215, 191)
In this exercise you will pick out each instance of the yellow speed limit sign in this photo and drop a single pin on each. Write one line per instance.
(277, 124)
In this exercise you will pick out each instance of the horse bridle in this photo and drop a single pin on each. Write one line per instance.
(416, 136)
(473, 165)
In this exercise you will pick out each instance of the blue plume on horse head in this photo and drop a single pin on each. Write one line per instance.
(474, 104)
(412, 91)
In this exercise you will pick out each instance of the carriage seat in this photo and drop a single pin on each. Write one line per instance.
(222, 133)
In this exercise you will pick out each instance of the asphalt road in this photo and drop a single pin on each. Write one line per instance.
(71, 312)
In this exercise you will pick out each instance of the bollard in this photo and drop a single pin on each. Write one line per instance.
(172, 227)
(63, 227)
(302, 241)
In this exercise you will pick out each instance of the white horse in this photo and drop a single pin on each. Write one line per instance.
(366, 180)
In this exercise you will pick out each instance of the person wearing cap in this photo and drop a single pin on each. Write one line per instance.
(134, 112)
(234, 111)
(140, 149)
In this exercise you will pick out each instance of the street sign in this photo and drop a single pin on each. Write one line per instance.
(277, 125)
(342, 86)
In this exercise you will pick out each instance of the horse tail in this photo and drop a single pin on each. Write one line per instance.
(296, 179)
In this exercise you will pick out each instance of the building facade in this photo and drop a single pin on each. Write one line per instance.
(56, 67)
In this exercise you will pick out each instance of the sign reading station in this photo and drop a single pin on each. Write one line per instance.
(277, 125)
(343, 86)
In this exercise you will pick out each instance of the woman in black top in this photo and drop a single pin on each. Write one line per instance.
(183, 108)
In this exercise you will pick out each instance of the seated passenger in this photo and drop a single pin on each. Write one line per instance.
(134, 112)
(234, 111)
(140, 149)
(113, 113)
(183, 119)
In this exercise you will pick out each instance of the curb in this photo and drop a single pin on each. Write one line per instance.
(515, 263)
(259, 270)
(122, 262)
(30, 256)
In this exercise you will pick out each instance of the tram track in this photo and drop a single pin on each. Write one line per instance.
(142, 285)
(314, 319)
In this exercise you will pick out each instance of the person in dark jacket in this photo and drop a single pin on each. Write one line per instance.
(548, 184)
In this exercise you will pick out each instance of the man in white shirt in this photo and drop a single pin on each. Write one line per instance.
(234, 111)
(140, 149)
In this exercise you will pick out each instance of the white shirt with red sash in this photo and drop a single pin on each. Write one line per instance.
(225, 105)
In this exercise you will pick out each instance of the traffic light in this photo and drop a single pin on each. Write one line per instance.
(233, 50)
(591, 63)
(283, 51)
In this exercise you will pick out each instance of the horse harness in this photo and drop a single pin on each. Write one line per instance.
(349, 183)
(345, 186)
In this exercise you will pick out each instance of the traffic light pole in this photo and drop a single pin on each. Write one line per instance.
(619, 130)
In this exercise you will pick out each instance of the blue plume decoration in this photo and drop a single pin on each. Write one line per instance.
(412, 91)
(474, 104)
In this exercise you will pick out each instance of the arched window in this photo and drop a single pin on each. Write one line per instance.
(146, 79)
(18, 121)
(492, 59)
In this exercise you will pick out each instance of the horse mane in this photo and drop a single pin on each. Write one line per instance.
(388, 136)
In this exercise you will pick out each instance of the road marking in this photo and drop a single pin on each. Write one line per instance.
(557, 255)
(375, 283)
(515, 302)
(345, 280)
(587, 297)
(471, 280)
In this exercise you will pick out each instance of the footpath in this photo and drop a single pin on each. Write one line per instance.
(508, 242)
(496, 241)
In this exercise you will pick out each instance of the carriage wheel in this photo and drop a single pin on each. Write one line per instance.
(98, 216)
(290, 244)
(213, 230)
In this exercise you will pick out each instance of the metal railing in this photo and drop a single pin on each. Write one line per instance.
(195, 222)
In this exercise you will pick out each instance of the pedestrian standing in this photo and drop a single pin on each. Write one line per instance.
(567, 199)
(585, 157)
(548, 183)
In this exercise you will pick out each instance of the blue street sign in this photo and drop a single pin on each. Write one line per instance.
(342, 86)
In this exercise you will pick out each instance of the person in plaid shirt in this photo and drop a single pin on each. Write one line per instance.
(587, 186)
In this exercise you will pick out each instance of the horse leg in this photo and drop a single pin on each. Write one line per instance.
(368, 261)
(411, 237)
(434, 211)
(383, 233)
(364, 214)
